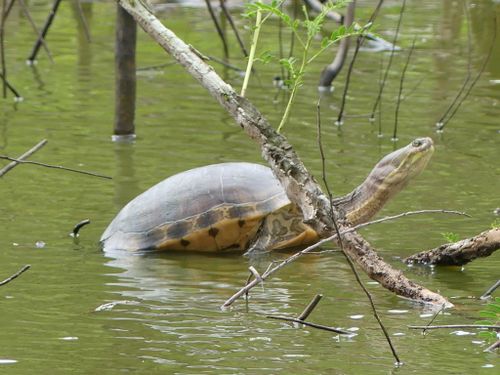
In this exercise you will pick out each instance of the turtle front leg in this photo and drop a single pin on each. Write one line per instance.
(280, 230)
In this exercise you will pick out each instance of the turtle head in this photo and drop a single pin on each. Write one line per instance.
(387, 178)
(395, 170)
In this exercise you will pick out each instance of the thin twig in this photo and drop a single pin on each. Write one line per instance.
(225, 63)
(391, 56)
(453, 326)
(79, 226)
(401, 81)
(314, 325)
(492, 347)
(255, 273)
(9, 8)
(233, 26)
(348, 259)
(218, 27)
(35, 29)
(359, 41)
(24, 156)
(310, 307)
(435, 316)
(308, 249)
(490, 290)
(10, 87)
(85, 25)
(483, 67)
(44, 32)
(440, 122)
(2, 48)
(14, 276)
(54, 167)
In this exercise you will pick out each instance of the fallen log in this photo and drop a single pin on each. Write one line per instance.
(461, 252)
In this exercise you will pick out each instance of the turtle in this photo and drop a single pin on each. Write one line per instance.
(242, 206)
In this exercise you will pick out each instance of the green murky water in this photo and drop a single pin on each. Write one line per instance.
(169, 320)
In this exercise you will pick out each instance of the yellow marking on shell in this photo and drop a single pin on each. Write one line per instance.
(230, 235)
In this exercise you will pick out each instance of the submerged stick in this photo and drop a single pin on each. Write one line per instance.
(35, 29)
(85, 25)
(3, 67)
(440, 122)
(233, 26)
(79, 226)
(16, 275)
(24, 156)
(218, 27)
(55, 167)
(490, 290)
(391, 56)
(310, 307)
(492, 347)
(401, 81)
(453, 326)
(314, 325)
(483, 67)
(359, 42)
(45, 30)
(10, 87)
(460, 252)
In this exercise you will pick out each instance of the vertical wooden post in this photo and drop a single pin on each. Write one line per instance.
(125, 79)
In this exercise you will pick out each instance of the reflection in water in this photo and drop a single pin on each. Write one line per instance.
(126, 184)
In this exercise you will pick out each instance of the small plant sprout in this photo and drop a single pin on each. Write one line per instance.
(305, 33)
(450, 236)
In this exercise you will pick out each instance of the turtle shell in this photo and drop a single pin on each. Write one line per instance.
(210, 208)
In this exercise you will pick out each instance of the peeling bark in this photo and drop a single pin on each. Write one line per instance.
(461, 252)
(300, 186)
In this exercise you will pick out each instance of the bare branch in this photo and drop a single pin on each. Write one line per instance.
(310, 307)
(16, 275)
(319, 326)
(24, 156)
(54, 167)
(309, 249)
(461, 252)
(453, 326)
(490, 290)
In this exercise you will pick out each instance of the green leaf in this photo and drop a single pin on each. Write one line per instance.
(450, 236)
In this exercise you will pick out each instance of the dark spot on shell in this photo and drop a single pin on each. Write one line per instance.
(178, 230)
(213, 232)
(240, 211)
(184, 242)
(208, 218)
(241, 223)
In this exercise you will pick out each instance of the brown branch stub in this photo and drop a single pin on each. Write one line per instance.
(461, 252)
(16, 275)
(310, 307)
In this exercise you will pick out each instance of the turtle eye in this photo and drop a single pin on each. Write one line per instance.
(416, 143)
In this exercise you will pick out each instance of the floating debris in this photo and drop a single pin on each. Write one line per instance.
(357, 317)
(110, 305)
(40, 244)
(7, 361)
